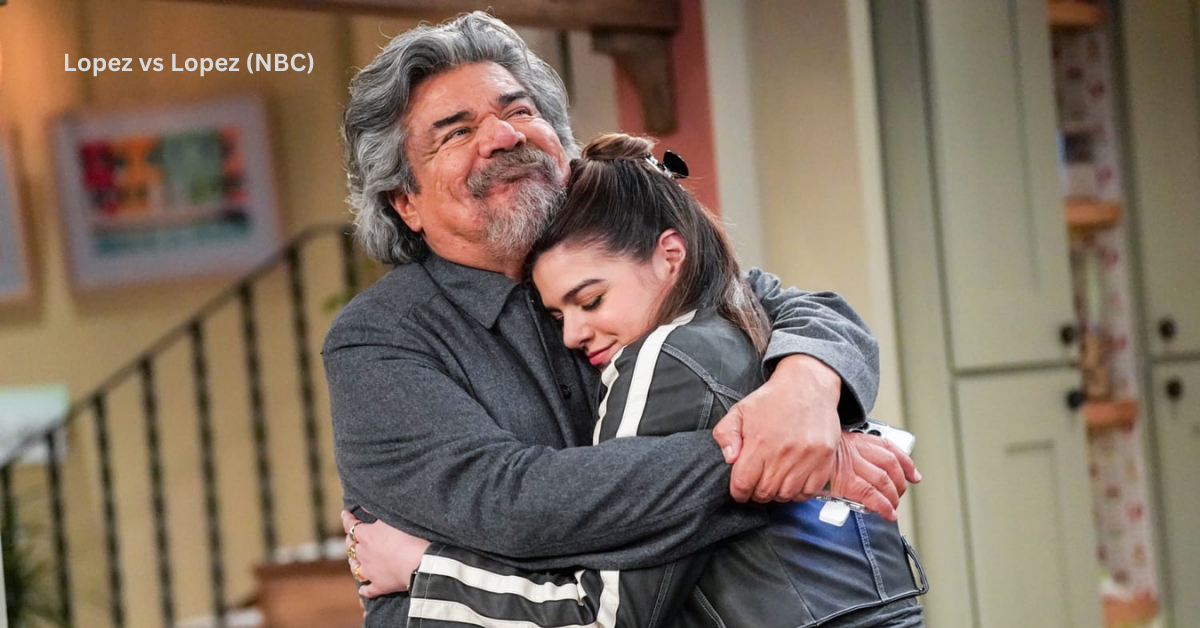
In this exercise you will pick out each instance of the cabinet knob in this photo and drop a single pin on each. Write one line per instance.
(1174, 389)
(1066, 334)
(1076, 399)
(1166, 328)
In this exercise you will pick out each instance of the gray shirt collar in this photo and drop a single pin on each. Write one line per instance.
(480, 293)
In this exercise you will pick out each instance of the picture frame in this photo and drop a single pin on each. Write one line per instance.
(156, 193)
(16, 277)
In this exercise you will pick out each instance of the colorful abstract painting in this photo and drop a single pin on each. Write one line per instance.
(167, 193)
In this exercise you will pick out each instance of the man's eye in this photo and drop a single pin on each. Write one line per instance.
(593, 304)
(521, 111)
(459, 132)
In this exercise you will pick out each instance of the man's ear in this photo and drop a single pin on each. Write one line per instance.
(672, 250)
(405, 208)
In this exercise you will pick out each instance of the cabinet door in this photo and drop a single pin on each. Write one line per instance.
(1162, 45)
(1003, 234)
(1029, 507)
(1177, 431)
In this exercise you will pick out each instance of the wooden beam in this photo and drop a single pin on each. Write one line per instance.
(635, 33)
(645, 57)
(660, 15)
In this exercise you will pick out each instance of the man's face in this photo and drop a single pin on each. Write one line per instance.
(488, 166)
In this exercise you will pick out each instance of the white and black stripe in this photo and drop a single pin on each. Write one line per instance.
(456, 587)
(624, 403)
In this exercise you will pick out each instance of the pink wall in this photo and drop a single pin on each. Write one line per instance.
(693, 137)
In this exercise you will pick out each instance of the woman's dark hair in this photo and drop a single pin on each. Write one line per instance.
(619, 201)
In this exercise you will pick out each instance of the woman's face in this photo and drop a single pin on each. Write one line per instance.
(604, 302)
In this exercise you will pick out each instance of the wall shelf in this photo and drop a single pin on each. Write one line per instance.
(1102, 415)
(1133, 612)
(1084, 214)
(1075, 14)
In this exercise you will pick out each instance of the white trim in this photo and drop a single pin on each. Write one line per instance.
(607, 378)
(441, 610)
(610, 599)
(496, 583)
(643, 375)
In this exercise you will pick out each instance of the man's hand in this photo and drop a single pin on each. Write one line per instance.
(782, 439)
(786, 444)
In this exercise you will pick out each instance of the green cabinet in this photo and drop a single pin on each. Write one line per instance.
(993, 125)
(1162, 70)
(1176, 398)
(1028, 501)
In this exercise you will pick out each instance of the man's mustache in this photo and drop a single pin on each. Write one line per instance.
(512, 165)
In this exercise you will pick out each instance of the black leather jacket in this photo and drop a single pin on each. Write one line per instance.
(795, 572)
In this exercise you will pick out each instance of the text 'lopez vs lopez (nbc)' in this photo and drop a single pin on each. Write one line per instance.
(254, 62)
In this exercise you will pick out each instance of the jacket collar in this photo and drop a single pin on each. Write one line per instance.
(480, 293)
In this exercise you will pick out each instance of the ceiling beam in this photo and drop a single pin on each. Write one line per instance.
(658, 15)
(635, 33)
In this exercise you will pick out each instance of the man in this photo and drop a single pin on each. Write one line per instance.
(459, 414)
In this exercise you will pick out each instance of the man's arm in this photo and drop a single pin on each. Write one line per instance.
(648, 393)
(454, 476)
(785, 439)
(824, 326)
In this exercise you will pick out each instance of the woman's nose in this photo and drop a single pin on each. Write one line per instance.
(575, 333)
(499, 135)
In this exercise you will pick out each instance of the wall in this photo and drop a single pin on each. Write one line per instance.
(817, 160)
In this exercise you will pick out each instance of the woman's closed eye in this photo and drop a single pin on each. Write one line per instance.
(593, 304)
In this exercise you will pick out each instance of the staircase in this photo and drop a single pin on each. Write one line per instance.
(200, 463)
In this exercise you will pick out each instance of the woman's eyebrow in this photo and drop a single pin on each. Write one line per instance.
(573, 292)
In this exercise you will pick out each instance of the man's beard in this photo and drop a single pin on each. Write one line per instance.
(536, 195)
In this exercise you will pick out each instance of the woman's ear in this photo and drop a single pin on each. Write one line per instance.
(672, 250)
(405, 208)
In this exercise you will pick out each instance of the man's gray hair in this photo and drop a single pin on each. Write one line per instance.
(373, 126)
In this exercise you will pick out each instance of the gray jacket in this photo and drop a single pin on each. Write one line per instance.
(458, 416)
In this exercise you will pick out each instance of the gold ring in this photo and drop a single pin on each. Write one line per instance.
(352, 539)
(358, 573)
(351, 553)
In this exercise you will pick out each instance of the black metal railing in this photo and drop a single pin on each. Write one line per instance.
(56, 533)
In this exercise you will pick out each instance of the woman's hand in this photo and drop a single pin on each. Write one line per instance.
(381, 556)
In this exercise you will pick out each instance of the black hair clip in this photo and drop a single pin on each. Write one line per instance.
(671, 164)
(675, 164)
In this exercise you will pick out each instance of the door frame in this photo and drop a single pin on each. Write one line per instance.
(922, 317)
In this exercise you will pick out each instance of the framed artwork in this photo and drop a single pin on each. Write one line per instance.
(160, 193)
(16, 283)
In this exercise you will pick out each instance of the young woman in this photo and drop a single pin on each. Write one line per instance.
(644, 281)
